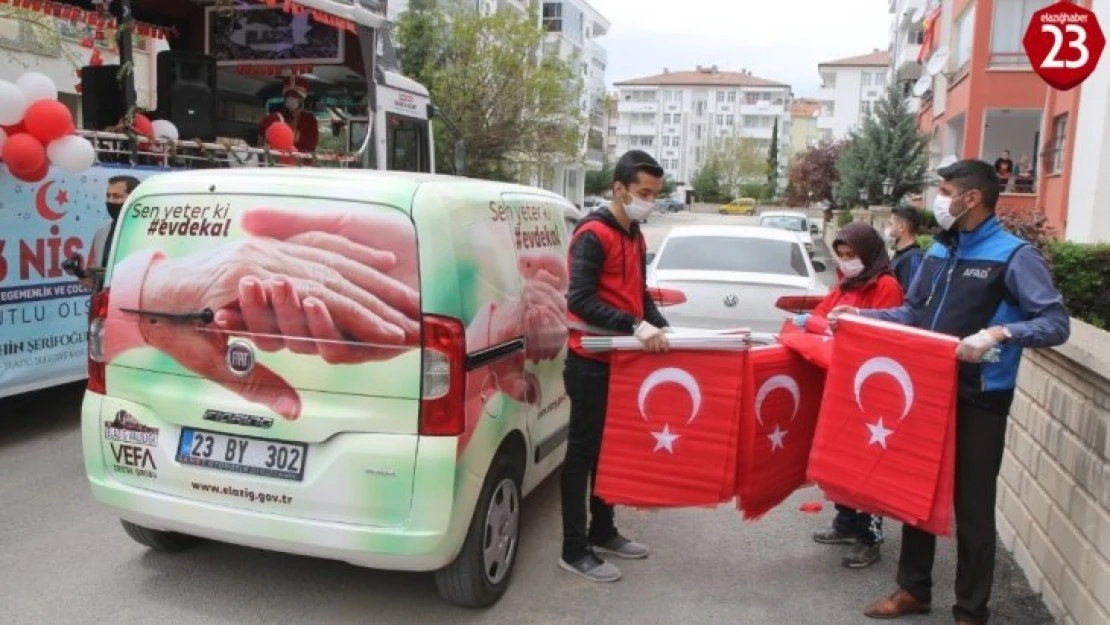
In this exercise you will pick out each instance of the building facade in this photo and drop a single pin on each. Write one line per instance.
(678, 117)
(805, 133)
(849, 90)
(907, 34)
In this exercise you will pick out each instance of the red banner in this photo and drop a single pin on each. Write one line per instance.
(885, 440)
(74, 14)
(320, 17)
(671, 429)
(782, 398)
(812, 343)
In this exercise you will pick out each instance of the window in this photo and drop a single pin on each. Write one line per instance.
(828, 80)
(720, 119)
(666, 118)
(865, 107)
(1058, 143)
(916, 36)
(738, 254)
(732, 96)
(700, 131)
(1011, 18)
(730, 120)
(965, 34)
(699, 108)
(828, 108)
(678, 118)
(553, 17)
(867, 79)
(675, 142)
(880, 79)
(720, 96)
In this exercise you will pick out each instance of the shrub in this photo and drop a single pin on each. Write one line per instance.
(843, 218)
(1031, 225)
(754, 190)
(925, 241)
(1082, 274)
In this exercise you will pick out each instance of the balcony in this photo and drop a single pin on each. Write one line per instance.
(637, 106)
(639, 130)
(597, 51)
(1015, 130)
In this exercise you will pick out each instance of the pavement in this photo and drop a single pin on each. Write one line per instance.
(63, 559)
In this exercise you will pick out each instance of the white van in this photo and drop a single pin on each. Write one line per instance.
(362, 366)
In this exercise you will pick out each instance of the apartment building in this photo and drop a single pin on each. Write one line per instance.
(988, 99)
(907, 34)
(805, 132)
(849, 90)
(678, 116)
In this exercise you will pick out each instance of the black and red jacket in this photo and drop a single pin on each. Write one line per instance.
(608, 291)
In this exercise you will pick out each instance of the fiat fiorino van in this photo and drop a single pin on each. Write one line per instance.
(362, 366)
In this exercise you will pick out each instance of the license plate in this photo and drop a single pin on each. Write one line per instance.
(242, 454)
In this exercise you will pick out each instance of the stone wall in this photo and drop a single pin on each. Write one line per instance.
(1054, 492)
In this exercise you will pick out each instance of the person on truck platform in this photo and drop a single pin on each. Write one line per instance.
(306, 130)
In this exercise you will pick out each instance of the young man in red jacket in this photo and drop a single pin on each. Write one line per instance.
(607, 296)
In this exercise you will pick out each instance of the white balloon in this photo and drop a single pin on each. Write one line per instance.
(164, 129)
(36, 86)
(12, 104)
(72, 153)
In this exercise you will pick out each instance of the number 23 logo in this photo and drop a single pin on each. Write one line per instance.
(1059, 36)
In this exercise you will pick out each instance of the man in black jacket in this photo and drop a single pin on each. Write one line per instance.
(607, 296)
(905, 223)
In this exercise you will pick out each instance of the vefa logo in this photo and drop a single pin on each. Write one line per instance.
(977, 272)
(127, 429)
(134, 457)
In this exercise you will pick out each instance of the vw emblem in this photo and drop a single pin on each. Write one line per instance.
(731, 300)
(240, 358)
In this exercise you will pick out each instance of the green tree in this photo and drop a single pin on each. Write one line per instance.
(514, 109)
(669, 186)
(773, 163)
(736, 162)
(599, 182)
(887, 146)
(707, 183)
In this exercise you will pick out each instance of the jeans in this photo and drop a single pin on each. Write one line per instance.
(865, 527)
(980, 441)
(587, 384)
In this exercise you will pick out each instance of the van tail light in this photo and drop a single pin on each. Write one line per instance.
(98, 316)
(667, 297)
(798, 303)
(443, 396)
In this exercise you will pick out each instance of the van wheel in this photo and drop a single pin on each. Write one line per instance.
(480, 574)
(167, 542)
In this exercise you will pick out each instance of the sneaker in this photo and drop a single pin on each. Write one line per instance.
(592, 568)
(623, 548)
(862, 556)
(833, 537)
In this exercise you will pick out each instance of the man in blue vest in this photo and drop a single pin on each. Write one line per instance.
(991, 289)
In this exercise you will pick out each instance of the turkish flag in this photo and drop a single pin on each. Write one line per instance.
(885, 440)
(671, 428)
(782, 398)
(812, 343)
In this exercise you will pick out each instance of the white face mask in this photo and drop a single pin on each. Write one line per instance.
(292, 104)
(890, 236)
(851, 268)
(942, 212)
(638, 209)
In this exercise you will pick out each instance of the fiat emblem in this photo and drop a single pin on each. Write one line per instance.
(731, 300)
(240, 358)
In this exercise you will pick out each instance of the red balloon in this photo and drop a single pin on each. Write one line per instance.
(143, 125)
(14, 129)
(24, 155)
(280, 136)
(34, 176)
(48, 120)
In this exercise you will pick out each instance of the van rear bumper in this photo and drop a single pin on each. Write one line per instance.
(426, 546)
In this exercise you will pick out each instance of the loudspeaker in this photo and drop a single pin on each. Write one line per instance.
(187, 84)
(102, 103)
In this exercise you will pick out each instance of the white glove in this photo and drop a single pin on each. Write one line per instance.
(834, 316)
(973, 348)
(652, 338)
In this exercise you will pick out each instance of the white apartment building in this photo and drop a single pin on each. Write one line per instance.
(849, 90)
(907, 33)
(677, 116)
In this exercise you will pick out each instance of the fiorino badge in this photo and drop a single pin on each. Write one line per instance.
(1064, 43)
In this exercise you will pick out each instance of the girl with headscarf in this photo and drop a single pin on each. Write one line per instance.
(865, 281)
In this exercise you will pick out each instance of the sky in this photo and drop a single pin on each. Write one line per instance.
(781, 40)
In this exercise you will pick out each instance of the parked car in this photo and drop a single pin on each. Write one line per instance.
(593, 203)
(378, 434)
(741, 206)
(792, 221)
(718, 277)
(669, 205)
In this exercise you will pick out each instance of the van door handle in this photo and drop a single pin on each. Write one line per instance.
(494, 354)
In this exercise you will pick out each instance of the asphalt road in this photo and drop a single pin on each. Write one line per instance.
(65, 560)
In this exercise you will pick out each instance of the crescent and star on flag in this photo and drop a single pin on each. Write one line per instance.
(665, 438)
(773, 383)
(891, 367)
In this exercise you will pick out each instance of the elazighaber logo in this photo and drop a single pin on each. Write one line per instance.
(1064, 42)
(127, 429)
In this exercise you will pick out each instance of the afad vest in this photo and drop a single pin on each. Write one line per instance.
(621, 284)
(965, 292)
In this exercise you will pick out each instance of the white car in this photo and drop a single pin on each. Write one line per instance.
(793, 221)
(720, 277)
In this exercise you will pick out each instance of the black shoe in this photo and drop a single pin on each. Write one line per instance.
(592, 568)
(833, 536)
(862, 556)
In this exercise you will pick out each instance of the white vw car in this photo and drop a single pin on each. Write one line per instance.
(720, 277)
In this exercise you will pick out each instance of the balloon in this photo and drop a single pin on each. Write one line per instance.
(280, 136)
(72, 153)
(12, 104)
(15, 129)
(47, 120)
(36, 86)
(34, 176)
(164, 129)
(143, 126)
(24, 154)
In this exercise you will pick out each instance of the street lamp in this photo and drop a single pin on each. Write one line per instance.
(888, 187)
(863, 195)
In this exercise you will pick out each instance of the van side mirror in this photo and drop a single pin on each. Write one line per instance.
(820, 267)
